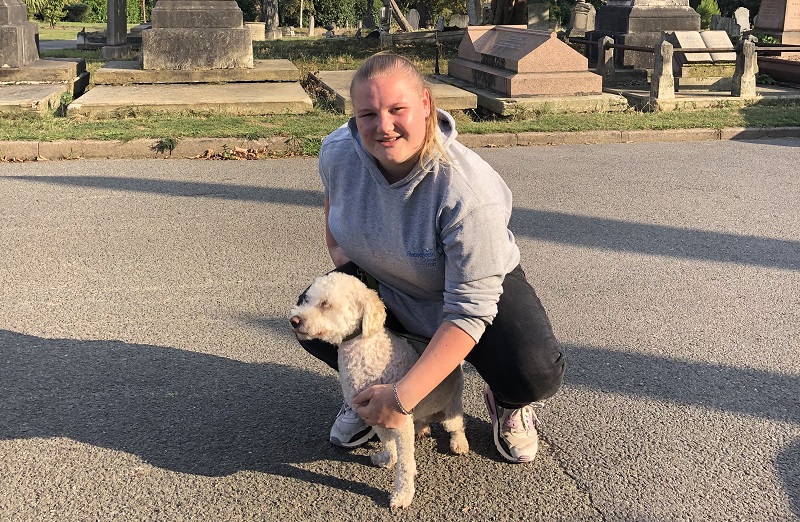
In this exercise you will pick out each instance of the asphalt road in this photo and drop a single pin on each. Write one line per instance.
(147, 371)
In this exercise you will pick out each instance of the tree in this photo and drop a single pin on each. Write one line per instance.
(509, 12)
(53, 11)
(705, 10)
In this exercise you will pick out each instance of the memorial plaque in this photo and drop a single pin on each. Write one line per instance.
(718, 40)
(688, 40)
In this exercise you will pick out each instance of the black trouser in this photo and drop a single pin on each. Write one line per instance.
(518, 355)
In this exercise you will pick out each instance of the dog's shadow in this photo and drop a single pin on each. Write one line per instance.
(183, 411)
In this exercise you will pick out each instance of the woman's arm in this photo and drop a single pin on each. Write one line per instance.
(447, 349)
(334, 250)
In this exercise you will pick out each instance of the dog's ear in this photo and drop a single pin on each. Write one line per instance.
(374, 313)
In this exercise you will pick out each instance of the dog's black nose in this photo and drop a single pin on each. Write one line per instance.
(295, 321)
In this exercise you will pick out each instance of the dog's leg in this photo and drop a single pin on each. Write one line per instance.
(387, 457)
(422, 429)
(454, 425)
(453, 422)
(406, 466)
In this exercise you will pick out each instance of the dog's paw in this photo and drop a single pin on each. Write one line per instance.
(401, 498)
(384, 459)
(422, 431)
(459, 444)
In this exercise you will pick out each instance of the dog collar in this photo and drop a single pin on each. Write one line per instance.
(353, 335)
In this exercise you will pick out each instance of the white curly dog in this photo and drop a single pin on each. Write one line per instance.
(337, 306)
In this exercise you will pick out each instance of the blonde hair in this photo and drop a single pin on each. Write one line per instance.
(387, 63)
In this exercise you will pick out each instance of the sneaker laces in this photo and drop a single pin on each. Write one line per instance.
(347, 414)
(523, 419)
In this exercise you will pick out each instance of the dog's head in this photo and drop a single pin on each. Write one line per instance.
(335, 307)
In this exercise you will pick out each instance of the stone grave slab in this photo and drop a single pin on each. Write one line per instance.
(130, 72)
(230, 98)
(448, 97)
(516, 61)
(37, 98)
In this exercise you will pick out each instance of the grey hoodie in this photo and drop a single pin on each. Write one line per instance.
(437, 240)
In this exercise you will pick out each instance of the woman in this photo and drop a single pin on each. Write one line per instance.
(427, 218)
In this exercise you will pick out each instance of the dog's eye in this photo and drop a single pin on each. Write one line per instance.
(324, 304)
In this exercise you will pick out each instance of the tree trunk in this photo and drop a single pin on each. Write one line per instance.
(509, 12)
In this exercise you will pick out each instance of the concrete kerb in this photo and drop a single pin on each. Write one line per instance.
(147, 148)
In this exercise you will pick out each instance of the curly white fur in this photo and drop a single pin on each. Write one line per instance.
(335, 306)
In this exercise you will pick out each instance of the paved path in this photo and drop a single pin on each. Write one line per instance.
(147, 373)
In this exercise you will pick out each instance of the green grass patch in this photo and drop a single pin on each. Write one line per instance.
(68, 30)
(306, 131)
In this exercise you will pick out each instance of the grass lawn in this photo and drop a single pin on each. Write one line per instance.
(307, 130)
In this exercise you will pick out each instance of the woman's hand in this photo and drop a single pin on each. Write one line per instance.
(377, 406)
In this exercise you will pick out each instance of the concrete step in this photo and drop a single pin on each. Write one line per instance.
(231, 98)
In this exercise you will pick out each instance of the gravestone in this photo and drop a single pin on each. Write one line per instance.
(742, 17)
(515, 61)
(640, 23)
(723, 23)
(440, 24)
(705, 71)
(27, 83)
(196, 34)
(413, 19)
(116, 31)
(781, 19)
(474, 12)
(539, 16)
(581, 19)
(17, 35)
(272, 29)
(459, 20)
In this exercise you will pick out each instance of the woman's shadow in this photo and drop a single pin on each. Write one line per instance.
(183, 411)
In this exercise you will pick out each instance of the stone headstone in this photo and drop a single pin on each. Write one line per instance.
(581, 19)
(440, 24)
(779, 18)
(386, 19)
(474, 12)
(368, 20)
(197, 35)
(486, 11)
(723, 23)
(515, 61)
(538, 16)
(459, 20)
(413, 19)
(742, 17)
(662, 85)
(116, 31)
(17, 35)
(311, 25)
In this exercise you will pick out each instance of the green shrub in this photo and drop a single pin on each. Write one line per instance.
(76, 12)
(705, 10)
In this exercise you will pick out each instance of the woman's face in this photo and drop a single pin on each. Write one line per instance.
(391, 114)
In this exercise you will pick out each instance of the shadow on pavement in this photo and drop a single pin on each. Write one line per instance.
(661, 240)
(208, 415)
(558, 227)
(762, 394)
(183, 411)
